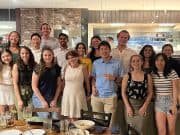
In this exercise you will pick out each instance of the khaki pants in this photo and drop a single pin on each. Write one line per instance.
(107, 105)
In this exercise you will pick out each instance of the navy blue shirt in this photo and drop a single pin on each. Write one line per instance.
(48, 82)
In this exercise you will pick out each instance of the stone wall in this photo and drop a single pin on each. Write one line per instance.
(66, 20)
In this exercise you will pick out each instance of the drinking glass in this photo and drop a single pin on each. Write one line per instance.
(47, 125)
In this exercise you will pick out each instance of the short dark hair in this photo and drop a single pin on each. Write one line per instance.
(64, 35)
(124, 31)
(35, 34)
(104, 43)
(170, 45)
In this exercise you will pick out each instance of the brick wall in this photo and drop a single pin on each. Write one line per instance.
(68, 19)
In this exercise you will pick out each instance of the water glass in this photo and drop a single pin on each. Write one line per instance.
(47, 125)
(27, 112)
(3, 122)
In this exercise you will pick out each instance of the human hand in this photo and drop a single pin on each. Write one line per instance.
(20, 105)
(142, 111)
(94, 91)
(130, 111)
(45, 104)
(53, 103)
(109, 77)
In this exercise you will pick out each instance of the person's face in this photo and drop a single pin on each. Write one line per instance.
(95, 43)
(104, 51)
(81, 50)
(14, 38)
(148, 52)
(63, 41)
(160, 63)
(6, 57)
(24, 54)
(73, 60)
(45, 30)
(36, 41)
(48, 57)
(167, 51)
(123, 38)
(136, 62)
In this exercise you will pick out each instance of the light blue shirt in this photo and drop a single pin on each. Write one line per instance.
(107, 88)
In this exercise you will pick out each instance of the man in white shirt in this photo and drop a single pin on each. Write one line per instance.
(60, 52)
(46, 39)
(123, 54)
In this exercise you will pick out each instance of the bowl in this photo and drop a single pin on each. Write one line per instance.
(84, 124)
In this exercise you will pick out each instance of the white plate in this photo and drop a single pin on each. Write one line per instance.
(84, 124)
(34, 132)
(10, 132)
(77, 131)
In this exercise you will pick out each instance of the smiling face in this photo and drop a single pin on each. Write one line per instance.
(81, 50)
(95, 43)
(45, 29)
(47, 56)
(148, 52)
(24, 55)
(160, 63)
(167, 51)
(104, 52)
(6, 58)
(123, 38)
(63, 41)
(35, 41)
(136, 62)
(14, 38)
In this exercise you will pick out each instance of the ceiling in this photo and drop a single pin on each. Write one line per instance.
(95, 4)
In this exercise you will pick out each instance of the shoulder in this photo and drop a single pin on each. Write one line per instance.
(174, 74)
(131, 51)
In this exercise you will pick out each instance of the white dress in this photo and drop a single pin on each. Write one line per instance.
(6, 87)
(74, 98)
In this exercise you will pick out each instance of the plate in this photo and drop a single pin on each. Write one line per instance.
(84, 124)
(77, 131)
(35, 132)
(11, 132)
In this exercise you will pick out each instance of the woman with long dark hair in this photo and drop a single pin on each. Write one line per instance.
(22, 75)
(165, 85)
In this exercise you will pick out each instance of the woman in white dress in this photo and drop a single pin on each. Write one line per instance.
(6, 87)
(74, 98)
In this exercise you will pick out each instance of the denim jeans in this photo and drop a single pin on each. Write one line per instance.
(37, 104)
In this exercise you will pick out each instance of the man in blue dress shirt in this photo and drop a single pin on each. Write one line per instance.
(107, 73)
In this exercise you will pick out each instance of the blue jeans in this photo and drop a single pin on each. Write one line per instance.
(37, 104)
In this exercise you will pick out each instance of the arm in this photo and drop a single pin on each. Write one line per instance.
(142, 110)
(35, 80)
(58, 90)
(86, 78)
(175, 93)
(15, 77)
(94, 89)
(124, 96)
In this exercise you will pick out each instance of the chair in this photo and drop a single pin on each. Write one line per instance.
(100, 119)
(55, 109)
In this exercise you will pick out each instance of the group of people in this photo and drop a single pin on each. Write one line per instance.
(131, 86)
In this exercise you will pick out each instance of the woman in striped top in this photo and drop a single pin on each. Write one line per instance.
(165, 85)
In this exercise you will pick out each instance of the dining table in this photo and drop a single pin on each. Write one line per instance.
(22, 126)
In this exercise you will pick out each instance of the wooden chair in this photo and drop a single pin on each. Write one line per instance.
(55, 109)
(100, 119)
